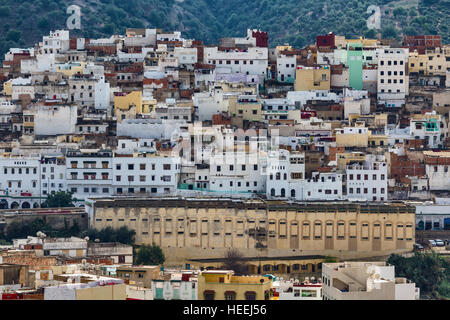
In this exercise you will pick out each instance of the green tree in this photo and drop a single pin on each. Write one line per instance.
(60, 199)
(400, 11)
(43, 23)
(389, 32)
(150, 255)
(5, 11)
(108, 234)
(428, 271)
(412, 12)
(13, 35)
(371, 34)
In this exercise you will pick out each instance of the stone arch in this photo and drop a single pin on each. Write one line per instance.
(421, 225)
(35, 205)
(26, 205)
(15, 205)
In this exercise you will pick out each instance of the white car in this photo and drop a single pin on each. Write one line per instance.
(439, 243)
(432, 243)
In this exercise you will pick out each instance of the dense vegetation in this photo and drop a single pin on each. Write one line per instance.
(108, 234)
(429, 272)
(294, 21)
(18, 230)
(149, 255)
(60, 199)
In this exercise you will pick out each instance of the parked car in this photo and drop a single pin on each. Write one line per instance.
(432, 243)
(439, 243)
(418, 247)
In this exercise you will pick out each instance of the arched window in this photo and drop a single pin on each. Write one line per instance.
(283, 192)
(230, 295)
(292, 193)
(209, 294)
(272, 192)
(250, 295)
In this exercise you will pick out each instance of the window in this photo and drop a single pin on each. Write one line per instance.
(209, 294)
(166, 167)
(250, 295)
(130, 166)
(230, 295)
(142, 166)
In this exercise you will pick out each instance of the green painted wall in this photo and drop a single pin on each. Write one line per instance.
(355, 64)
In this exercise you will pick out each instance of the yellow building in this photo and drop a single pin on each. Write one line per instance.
(377, 140)
(71, 69)
(246, 106)
(312, 78)
(7, 88)
(148, 105)
(433, 62)
(127, 105)
(345, 159)
(140, 275)
(224, 285)
(417, 63)
(356, 136)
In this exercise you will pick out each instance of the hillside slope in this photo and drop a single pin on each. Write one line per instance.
(23, 22)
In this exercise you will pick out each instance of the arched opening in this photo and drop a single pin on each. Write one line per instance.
(26, 205)
(283, 192)
(36, 205)
(420, 225)
(447, 223)
(14, 205)
(272, 192)
(267, 268)
(292, 193)
(3, 204)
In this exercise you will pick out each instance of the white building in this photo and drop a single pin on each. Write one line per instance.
(365, 281)
(286, 68)
(236, 172)
(252, 61)
(393, 80)
(145, 174)
(89, 173)
(55, 119)
(294, 290)
(429, 127)
(368, 182)
(285, 174)
(437, 168)
(20, 182)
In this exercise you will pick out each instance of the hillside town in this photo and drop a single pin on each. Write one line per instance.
(315, 164)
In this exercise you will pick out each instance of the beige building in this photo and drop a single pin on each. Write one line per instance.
(248, 107)
(224, 285)
(356, 136)
(365, 281)
(348, 158)
(312, 78)
(138, 275)
(207, 227)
